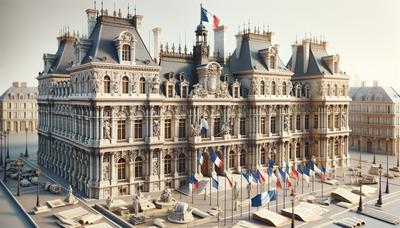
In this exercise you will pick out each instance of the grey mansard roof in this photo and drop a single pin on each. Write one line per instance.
(387, 94)
(32, 91)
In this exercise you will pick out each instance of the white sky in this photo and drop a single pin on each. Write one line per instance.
(366, 33)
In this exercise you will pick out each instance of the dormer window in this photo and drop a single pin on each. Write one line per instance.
(125, 45)
(236, 89)
(106, 84)
(184, 85)
(272, 60)
(170, 91)
(126, 52)
(284, 88)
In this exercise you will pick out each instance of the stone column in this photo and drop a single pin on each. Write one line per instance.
(100, 168)
(101, 134)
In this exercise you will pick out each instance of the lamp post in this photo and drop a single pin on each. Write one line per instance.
(373, 161)
(379, 202)
(8, 143)
(387, 167)
(26, 142)
(5, 169)
(293, 195)
(18, 163)
(1, 148)
(360, 206)
(398, 152)
(37, 172)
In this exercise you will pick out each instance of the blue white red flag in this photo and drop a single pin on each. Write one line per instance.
(262, 177)
(324, 176)
(215, 159)
(214, 183)
(229, 179)
(263, 198)
(193, 183)
(306, 174)
(204, 17)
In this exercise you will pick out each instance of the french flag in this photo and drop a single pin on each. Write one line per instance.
(203, 126)
(263, 198)
(315, 168)
(293, 172)
(285, 178)
(214, 182)
(262, 177)
(254, 178)
(324, 172)
(279, 180)
(215, 159)
(271, 174)
(271, 163)
(306, 174)
(193, 183)
(249, 178)
(204, 17)
(229, 179)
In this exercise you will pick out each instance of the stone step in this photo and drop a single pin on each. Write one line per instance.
(381, 215)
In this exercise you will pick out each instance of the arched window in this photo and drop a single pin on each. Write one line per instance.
(142, 86)
(167, 164)
(273, 88)
(138, 167)
(126, 52)
(243, 158)
(181, 163)
(263, 157)
(106, 84)
(231, 159)
(284, 88)
(298, 150)
(125, 82)
(262, 88)
(121, 168)
(344, 92)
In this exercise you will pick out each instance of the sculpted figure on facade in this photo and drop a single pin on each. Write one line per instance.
(155, 85)
(254, 87)
(134, 84)
(225, 128)
(107, 130)
(344, 120)
(286, 123)
(198, 91)
(195, 130)
(156, 128)
(116, 86)
(155, 167)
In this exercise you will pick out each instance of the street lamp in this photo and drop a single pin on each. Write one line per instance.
(8, 143)
(293, 196)
(374, 161)
(5, 169)
(398, 153)
(387, 167)
(18, 163)
(379, 202)
(37, 173)
(1, 148)
(26, 142)
(360, 206)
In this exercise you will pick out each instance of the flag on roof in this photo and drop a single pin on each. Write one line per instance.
(263, 198)
(193, 183)
(204, 14)
(215, 159)
(214, 183)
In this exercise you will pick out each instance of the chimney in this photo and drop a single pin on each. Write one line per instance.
(157, 44)
(220, 41)
(137, 22)
(294, 56)
(16, 84)
(363, 83)
(239, 38)
(91, 17)
(306, 54)
(376, 83)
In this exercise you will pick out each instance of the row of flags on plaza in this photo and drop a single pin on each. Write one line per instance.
(281, 177)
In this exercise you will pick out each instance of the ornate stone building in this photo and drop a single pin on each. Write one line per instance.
(19, 108)
(114, 119)
(374, 119)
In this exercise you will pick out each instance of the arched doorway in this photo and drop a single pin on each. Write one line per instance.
(219, 171)
(205, 167)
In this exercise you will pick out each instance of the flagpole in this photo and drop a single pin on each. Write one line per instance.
(284, 191)
(302, 182)
(241, 195)
(249, 203)
(210, 186)
(225, 202)
(268, 187)
(218, 197)
(232, 203)
(277, 193)
(257, 188)
(191, 171)
(322, 188)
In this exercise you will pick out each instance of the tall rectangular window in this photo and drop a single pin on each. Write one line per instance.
(263, 125)
(170, 91)
(138, 129)
(167, 129)
(330, 124)
(121, 129)
(315, 121)
(184, 92)
(182, 128)
(297, 122)
(307, 122)
(273, 124)
(337, 121)
(217, 126)
(242, 126)
(291, 123)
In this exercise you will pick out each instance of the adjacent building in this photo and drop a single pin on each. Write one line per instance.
(19, 108)
(114, 119)
(374, 119)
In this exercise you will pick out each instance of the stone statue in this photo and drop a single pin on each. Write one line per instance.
(199, 91)
(195, 130)
(156, 128)
(155, 168)
(134, 83)
(236, 194)
(70, 198)
(254, 87)
(223, 90)
(286, 123)
(155, 85)
(166, 195)
(344, 121)
(136, 204)
(225, 128)
(116, 86)
(249, 187)
(109, 202)
(107, 130)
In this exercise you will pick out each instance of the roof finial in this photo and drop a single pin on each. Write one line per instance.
(248, 27)
(135, 9)
(94, 4)
(128, 12)
(102, 10)
(114, 12)
(263, 31)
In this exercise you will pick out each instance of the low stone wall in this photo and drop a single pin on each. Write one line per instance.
(112, 216)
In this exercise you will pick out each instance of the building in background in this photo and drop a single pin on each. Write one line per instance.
(374, 119)
(19, 108)
(114, 119)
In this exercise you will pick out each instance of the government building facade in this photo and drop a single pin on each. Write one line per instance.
(113, 119)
